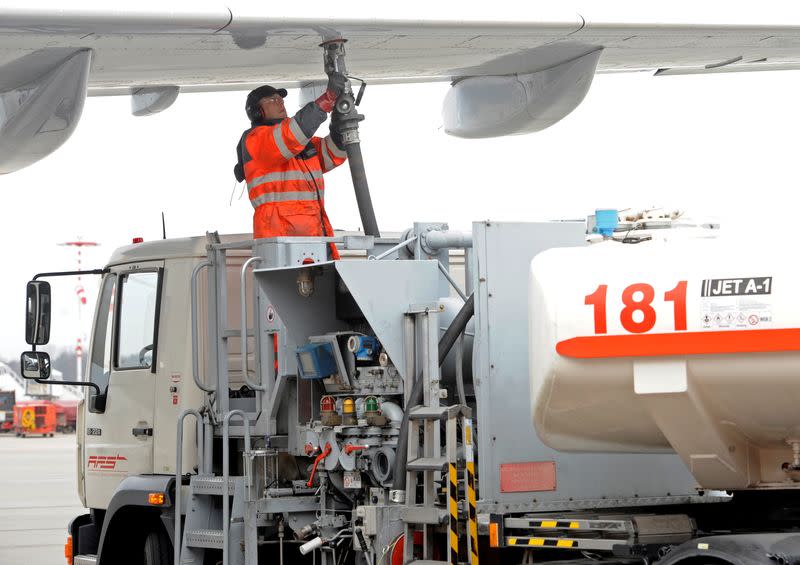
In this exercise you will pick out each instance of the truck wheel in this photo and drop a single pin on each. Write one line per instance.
(157, 548)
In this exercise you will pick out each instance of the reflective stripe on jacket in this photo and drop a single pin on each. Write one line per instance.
(287, 190)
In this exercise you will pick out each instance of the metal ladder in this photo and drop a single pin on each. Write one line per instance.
(212, 523)
(428, 467)
(208, 527)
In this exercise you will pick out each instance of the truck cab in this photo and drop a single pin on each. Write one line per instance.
(140, 357)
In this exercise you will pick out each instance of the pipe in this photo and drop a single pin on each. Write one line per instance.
(363, 198)
(449, 338)
(392, 411)
(435, 240)
(310, 546)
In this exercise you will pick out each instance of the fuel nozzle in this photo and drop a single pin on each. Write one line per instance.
(345, 119)
(344, 114)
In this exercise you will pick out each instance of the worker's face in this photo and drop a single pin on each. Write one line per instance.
(272, 107)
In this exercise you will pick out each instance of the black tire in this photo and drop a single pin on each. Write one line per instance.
(157, 548)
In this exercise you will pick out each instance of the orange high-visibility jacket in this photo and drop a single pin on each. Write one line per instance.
(283, 168)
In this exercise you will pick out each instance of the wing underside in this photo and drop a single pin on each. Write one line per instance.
(508, 77)
(218, 50)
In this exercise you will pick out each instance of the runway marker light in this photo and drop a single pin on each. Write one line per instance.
(156, 498)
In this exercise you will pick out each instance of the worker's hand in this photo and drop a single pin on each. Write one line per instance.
(337, 83)
(336, 133)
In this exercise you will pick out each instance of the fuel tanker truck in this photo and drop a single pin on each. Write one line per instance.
(508, 394)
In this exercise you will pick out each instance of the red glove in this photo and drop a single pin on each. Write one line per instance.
(326, 101)
(337, 83)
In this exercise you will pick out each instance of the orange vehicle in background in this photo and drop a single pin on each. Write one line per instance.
(66, 415)
(35, 418)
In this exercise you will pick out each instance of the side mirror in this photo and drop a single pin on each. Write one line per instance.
(37, 314)
(35, 365)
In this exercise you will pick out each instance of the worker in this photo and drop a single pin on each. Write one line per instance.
(283, 163)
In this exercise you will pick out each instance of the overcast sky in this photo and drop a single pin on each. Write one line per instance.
(722, 147)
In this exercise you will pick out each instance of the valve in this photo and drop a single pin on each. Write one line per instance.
(320, 457)
(350, 448)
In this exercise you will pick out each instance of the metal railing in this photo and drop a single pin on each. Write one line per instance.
(195, 362)
(178, 470)
(226, 519)
(243, 300)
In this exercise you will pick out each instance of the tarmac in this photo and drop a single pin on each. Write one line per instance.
(38, 498)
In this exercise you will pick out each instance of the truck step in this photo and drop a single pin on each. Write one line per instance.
(211, 539)
(428, 464)
(211, 485)
(84, 560)
(582, 544)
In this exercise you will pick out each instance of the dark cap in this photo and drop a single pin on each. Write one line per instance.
(265, 91)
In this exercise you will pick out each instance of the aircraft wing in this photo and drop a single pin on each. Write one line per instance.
(509, 76)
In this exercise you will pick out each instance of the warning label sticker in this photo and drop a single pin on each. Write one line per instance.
(736, 303)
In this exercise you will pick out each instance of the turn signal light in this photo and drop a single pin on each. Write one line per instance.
(68, 550)
(494, 535)
(156, 498)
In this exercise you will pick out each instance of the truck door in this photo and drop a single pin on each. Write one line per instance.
(122, 362)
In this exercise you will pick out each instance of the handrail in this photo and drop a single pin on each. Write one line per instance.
(243, 301)
(177, 539)
(195, 362)
(226, 474)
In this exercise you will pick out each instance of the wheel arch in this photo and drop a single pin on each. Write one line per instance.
(128, 513)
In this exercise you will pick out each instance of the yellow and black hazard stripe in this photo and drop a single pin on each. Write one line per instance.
(542, 542)
(556, 525)
(453, 515)
(473, 512)
(471, 496)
